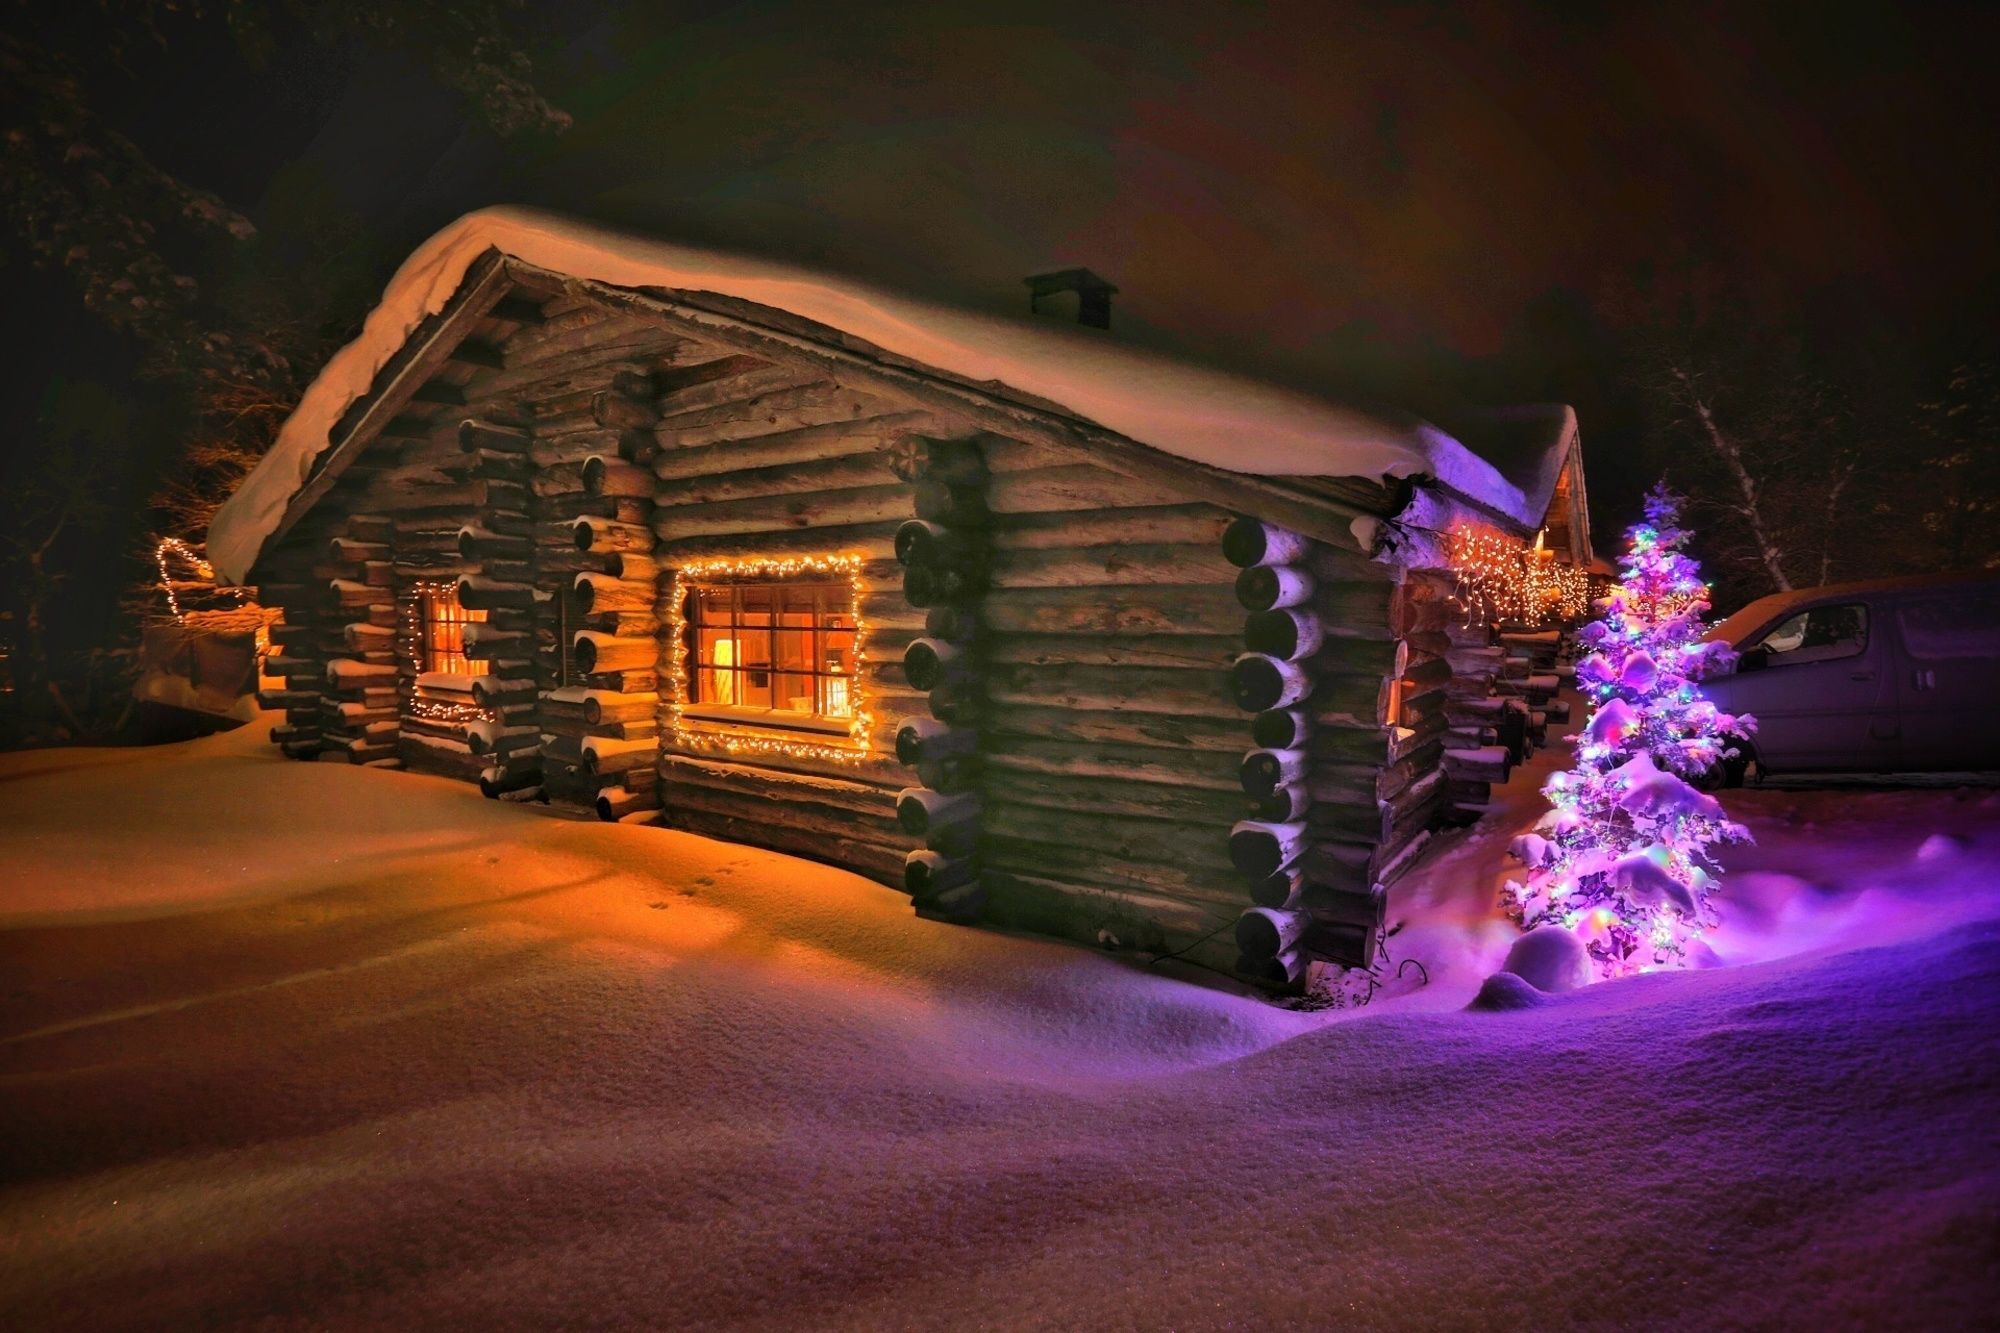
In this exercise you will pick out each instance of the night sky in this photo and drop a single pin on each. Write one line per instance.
(1419, 205)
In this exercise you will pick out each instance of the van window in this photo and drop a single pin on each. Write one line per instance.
(1964, 625)
(1818, 635)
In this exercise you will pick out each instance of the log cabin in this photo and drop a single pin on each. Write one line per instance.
(1031, 626)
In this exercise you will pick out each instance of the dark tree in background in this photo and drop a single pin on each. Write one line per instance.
(1751, 247)
(218, 326)
(1811, 445)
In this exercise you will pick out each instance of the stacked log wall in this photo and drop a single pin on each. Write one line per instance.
(1342, 666)
(947, 566)
(760, 461)
(588, 377)
(1108, 738)
(391, 516)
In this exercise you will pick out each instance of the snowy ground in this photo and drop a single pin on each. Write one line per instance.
(305, 1045)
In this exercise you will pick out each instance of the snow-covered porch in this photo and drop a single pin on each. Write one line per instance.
(456, 1063)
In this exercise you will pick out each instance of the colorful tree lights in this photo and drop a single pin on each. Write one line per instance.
(1622, 857)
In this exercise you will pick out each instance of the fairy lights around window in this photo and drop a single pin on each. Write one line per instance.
(422, 645)
(837, 683)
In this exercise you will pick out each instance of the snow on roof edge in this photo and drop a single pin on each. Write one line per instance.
(1221, 420)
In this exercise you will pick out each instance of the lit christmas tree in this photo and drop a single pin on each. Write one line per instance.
(1622, 857)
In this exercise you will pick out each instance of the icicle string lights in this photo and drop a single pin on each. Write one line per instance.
(734, 740)
(1503, 581)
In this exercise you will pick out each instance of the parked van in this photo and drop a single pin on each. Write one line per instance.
(1889, 676)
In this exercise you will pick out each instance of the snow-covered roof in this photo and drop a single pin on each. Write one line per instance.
(1526, 444)
(1221, 420)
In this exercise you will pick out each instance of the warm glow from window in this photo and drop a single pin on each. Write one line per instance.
(443, 634)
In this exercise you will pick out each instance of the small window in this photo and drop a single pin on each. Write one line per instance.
(1967, 625)
(771, 654)
(443, 629)
(1819, 635)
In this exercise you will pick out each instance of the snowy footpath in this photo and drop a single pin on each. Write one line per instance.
(300, 1045)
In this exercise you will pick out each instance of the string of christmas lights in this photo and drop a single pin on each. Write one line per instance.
(1503, 581)
(733, 740)
(175, 546)
(1623, 857)
(410, 608)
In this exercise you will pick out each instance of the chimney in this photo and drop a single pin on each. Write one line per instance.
(1093, 294)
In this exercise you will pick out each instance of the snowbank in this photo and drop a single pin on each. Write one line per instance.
(1212, 418)
(303, 1045)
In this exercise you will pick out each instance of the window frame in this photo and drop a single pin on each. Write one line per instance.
(1788, 658)
(437, 633)
(743, 728)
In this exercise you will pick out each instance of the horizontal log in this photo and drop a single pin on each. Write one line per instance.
(1249, 542)
(594, 653)
(348, 551)
(920, 541)
(946, 822)
(927, 873)
(807, 477)
(484, 642)
(615, 411)
(600, 534)
(616, 804)
(1263, 933)
(875, 861)
(1258, 848)
(780, 448)
(815, 510)
(604, 755)
(928, 663)
(478, 593)
(492, 691)
(474, 435)
(926, 585)
(1090, 796)
(475, 543)
(923, 740)
(611, 475)
(1264, 771)
(594, 593)
(1284, 972)
(1070, 488)
(348, 673)
(1176, 525)
(1110, 566)
(1148, 609)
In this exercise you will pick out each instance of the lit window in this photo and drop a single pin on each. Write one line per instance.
(443, 628)
(771, 653)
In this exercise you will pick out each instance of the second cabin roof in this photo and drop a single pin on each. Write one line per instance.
(1220, 421)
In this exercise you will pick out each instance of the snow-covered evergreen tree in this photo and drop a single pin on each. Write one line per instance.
(1622, 857)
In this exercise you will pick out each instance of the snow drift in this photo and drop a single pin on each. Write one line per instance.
(304, 1045)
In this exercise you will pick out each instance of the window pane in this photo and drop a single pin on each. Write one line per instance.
(785, 647)
(1818, 635)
